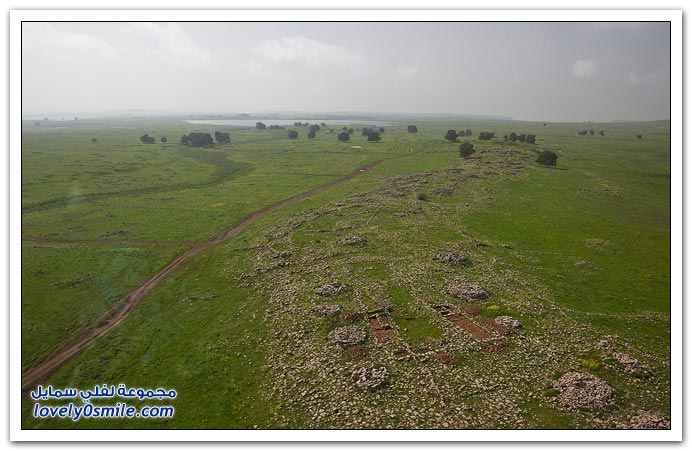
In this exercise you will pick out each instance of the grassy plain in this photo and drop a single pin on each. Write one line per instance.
(580, 254)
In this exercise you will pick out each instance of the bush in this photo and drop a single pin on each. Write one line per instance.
(343, 136)
(422, 196)
(639, 136)
(451, 135)
(292, 134)
(530, 139)
(466, 149)
(412, 129)
(260, 126)
(590, 364)
(311, 134)
(146, 139)
(374, 136)
(547, 158)
(485, 136)
(164, 139)
(222, 138)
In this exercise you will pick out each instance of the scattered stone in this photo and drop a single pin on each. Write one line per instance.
(350, 241)
(347, 336)
(630, 365)
(282, 254)
(649, 420)
(398, 215)
(326, 310)
(370, 378)
(583, 390)
(331, 289)
(466, 291)
(454, 259)
(507, 322)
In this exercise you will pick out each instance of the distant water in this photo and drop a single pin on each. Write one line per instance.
(268, 122)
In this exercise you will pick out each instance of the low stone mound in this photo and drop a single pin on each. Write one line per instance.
(630, 365)
(326, 310)
(331, 289)
(347, 336)
(452, 259)
(350, 241)
(370, 378)
(467, 291)
(649, 420)
(282, 254)
(507, 322)
(583, 390)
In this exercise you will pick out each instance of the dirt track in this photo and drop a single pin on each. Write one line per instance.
(110, 318)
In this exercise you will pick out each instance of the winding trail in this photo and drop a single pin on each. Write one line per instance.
(113, 316)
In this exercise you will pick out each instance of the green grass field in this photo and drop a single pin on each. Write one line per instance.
(579, 254)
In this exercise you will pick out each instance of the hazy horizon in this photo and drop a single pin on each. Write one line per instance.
(559, 72)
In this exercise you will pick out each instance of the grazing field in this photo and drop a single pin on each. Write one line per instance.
(430, 291)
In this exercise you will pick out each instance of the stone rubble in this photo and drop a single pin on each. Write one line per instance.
(630, 365)
(583, 390)
(467, 291)
(370, 378)
(451, 258)
(347, 336)
(331, 289)
(507, 322)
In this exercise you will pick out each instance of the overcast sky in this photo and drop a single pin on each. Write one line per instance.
(531, 71)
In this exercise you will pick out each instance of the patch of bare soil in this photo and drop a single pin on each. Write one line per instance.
(469, 326)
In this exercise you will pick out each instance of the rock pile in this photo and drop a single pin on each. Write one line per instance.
(326, 310)
(370, 378)
(649, 420)
(507, 322)
(466, 291)
(347, 336)
(453, 259)
(331, 289)
(582, 390)
(350, 241)
(630, 365)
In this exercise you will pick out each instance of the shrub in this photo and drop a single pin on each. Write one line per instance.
(412, 129)
(547, 158)
(343, 136)
(422, 196)
(451, 135)
(486, 136)
(590, 364)
(292, 134)
(530, 139)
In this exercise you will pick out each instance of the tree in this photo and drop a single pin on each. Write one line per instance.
(381, 130)
(602, 132)
(374, 136)
(343, 136)
(197, 139)
(468, 132)
(544, 124)
(292, 134)
(323, 124)
(547, 158)
(412, 129)
(506, 138)
(583, 133)
(222, 138)
(531, 139)
(639, 136)
(344, 128)
(146, 139)
(311, 134)
(350, 131)
(314, 128)
(513, 137)
(94, 140)
(486, 136)
(260, 126)
(466, 149)
(522, 137)
(298, 124)
(163, 139)
(451, 135)
(591, 132)
(365, 131)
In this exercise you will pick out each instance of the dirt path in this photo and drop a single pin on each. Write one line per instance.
(32, 239)
(112, 317)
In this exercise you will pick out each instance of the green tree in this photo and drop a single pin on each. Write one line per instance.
(311, 134)
(292, 134)
(486, 136)
(547, 158)
(198, 139)
(468, 132)
(260, 126)
(531, 139)
(513, 137)
(343, 136)
(374, 136)
(602, 132)
(146, 139)
(451, 135)
(466, 149)
(412, 129)
(222, 138)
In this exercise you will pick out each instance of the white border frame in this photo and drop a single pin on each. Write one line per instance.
(673, 16)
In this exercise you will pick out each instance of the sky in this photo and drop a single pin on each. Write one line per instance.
(598, 71)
